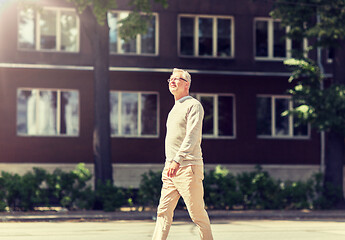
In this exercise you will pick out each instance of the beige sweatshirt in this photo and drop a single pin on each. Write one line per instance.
(184, 132)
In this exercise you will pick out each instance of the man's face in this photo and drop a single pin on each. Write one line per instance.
(177, 85)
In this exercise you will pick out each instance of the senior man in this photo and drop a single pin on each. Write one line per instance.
(184, 169)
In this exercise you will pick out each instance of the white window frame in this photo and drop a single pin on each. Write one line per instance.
(216, 114)
(270, 41)
(58, 30)
(138, 39)
(273, 119)
(214, 37)
(139, 135)
(58, 113)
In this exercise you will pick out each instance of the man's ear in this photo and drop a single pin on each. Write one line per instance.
(187, 85)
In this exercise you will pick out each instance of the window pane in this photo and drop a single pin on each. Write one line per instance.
(48, 30)
(264, 116)
(114, 113)
(225, 116)
(129, 46)
(26, 112)
(282, 122)
(261, 32)
(129, 114)
(148, 114)
(300, 129)
(224, 37)
(69, 113)
(47, 106)
(279, 47)
(26, 29)
(331, 53)
(113, 22)
(148, 41)
(126, 46)
(205, 36)
(187, 36)
(69, 32)
(207, 103)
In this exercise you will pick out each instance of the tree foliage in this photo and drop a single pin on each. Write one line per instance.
(135, 23)
(323, 108)
(100, 8)
(301, 17)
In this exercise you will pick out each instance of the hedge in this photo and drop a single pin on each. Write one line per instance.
(223, 190)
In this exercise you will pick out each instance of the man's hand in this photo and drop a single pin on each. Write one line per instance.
(174, 166)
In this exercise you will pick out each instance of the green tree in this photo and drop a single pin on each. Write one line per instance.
(322, 22)
(93, 18)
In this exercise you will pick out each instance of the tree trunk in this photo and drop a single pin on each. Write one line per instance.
(335, 147)
(99, 38)
(333, 181)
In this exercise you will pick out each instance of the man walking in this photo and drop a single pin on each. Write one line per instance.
(184, 171)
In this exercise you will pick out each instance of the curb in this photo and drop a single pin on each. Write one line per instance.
(179, 215)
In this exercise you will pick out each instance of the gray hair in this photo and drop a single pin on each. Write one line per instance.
(185, 74)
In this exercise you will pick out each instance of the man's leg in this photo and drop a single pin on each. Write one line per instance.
(192, 191)
(165, 211)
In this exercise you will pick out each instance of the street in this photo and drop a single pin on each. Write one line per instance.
(142, 230)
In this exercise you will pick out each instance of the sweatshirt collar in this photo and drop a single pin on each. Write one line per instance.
(181, 100)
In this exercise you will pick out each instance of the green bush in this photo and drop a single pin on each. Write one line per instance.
(255, 190)
(68, 189)
(109, 197)
(24, 192)
(150, 188)
(326, 195)
(39, 188)
(264, 191)
(247, 190)
(221, 189)
(297, 195)
(3, 204)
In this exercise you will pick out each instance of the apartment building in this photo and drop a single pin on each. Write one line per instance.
(233, 50)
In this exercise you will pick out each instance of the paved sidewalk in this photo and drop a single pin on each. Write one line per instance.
(338, 215)
(142, 230)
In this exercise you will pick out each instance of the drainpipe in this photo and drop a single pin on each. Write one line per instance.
(322, 134)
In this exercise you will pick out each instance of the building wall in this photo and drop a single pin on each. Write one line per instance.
(245, 148)
(243, 12)
(242, 76)
(38, 149)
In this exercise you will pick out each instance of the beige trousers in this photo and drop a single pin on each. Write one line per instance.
(188, 184)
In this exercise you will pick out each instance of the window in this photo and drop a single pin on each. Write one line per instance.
(143, 44)
(330, 54)
(134, 114)
(219, 115)
(271, 43)
(49, 29)
(271, 122)
(206, 36)
(45, 112)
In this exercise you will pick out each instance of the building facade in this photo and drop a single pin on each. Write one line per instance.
(233, 50)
